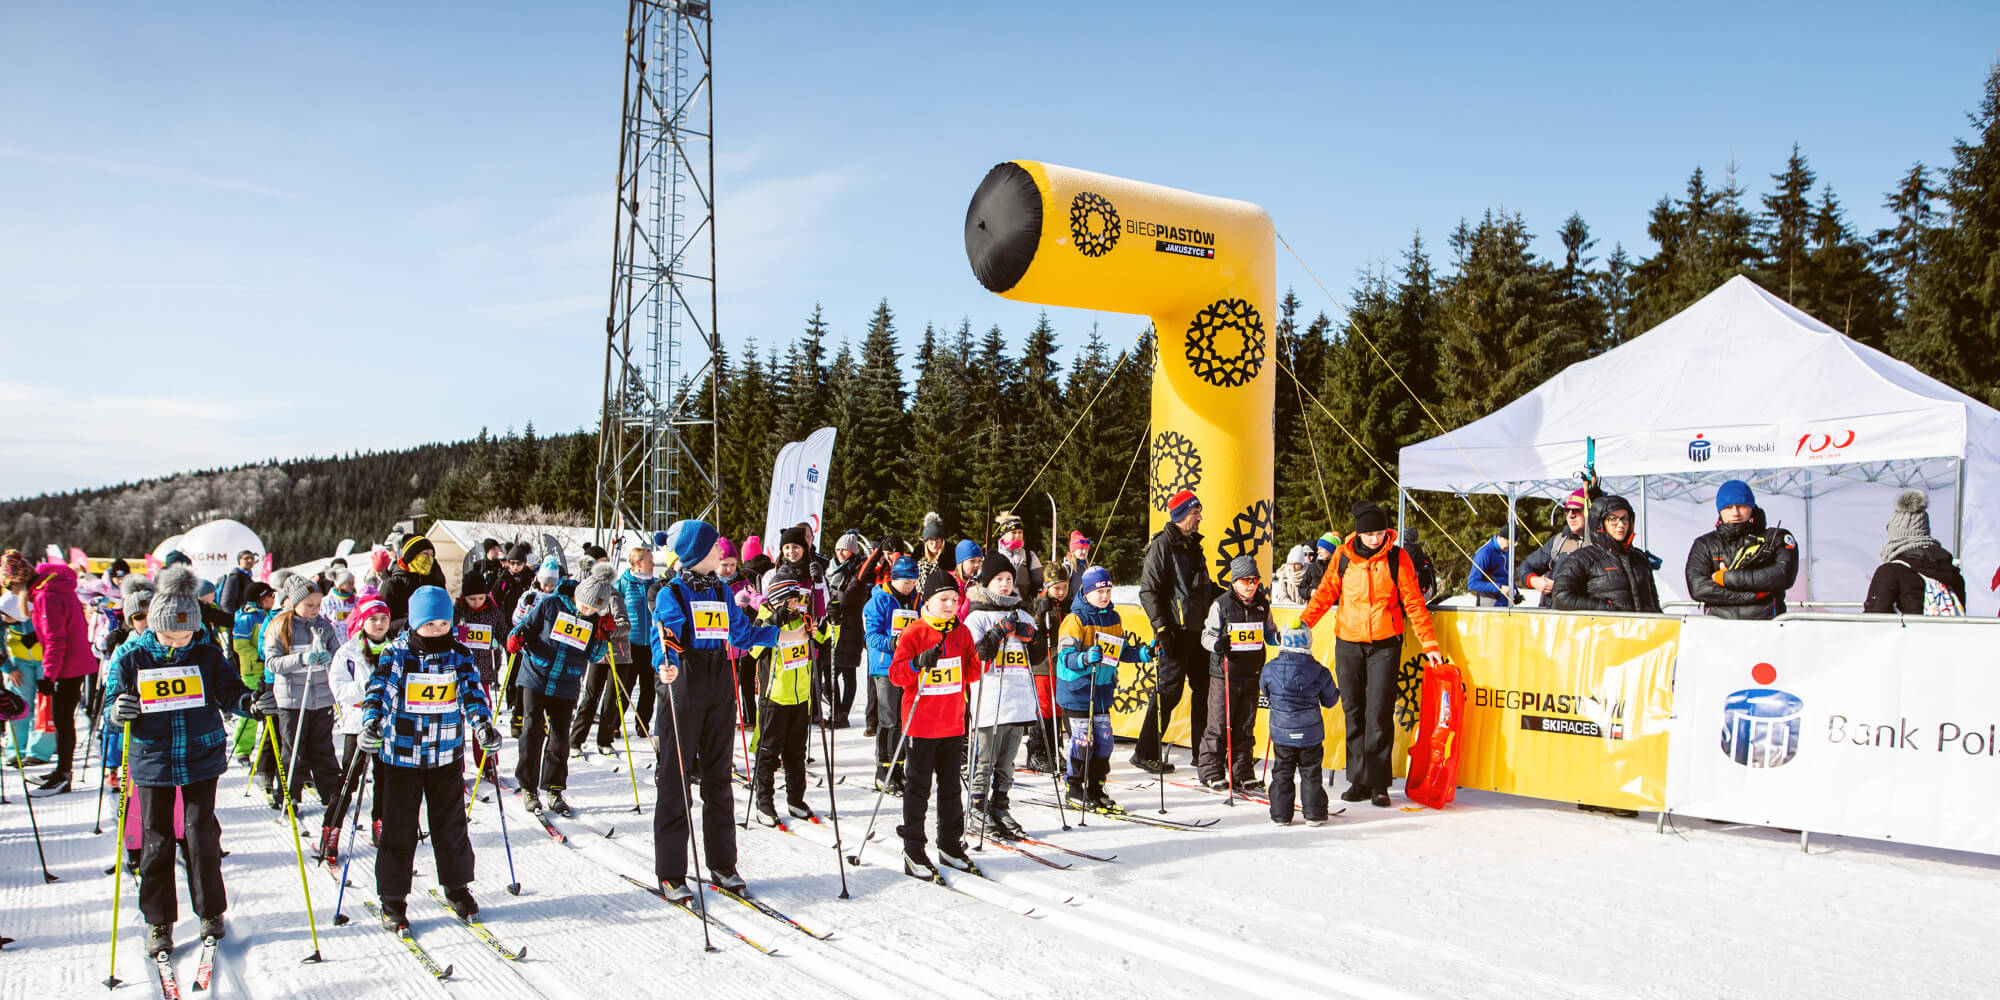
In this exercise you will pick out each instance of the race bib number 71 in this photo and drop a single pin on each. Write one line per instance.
(711, 620)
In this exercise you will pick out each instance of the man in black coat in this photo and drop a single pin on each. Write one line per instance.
(416, 566)
(1611, 573)
(1175, 591)
(1742, 569)
(229, 593)
(517, 577)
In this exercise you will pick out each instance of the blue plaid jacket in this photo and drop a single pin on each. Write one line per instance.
(549, 667)
(182, 747)
(412, 739)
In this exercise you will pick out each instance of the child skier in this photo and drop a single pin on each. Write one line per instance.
(257, 600)
(353, 665)
(890, 610)
(1004, 702)
(172, 691)
(934, 661)
(482, 628)
(422, 699)
(1089, 648)
(785, 681)
(1238, 628)
(298, 647)
(337, 602)
(698, 621)
(1050, 608)
(1299, 687)
(563, 634)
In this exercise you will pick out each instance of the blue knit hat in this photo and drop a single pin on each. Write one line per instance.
(1329, 542)
(1092, 579)
(429, 604)
(1734, 493)
(967, 549)
(1300, 639)
(904, 569)
(693, 540)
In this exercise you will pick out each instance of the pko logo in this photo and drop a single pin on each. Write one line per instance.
(1698, 449)
(812, 473)
(1762, 726)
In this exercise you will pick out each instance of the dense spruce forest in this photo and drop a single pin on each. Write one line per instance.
(957, 420)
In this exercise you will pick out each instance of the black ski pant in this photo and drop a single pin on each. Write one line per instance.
(1232, 730)
(1304, 761)
(888, 723)
(1182, 660)
(544, 748)
(781, 738)
(934, 759)
(68, 692)
(311, 732)
(1366, 673)
(157, 898)
(872, 711)
(606, 704)
(746, 688)
(846, 670)
(693, 719)
(441, 791)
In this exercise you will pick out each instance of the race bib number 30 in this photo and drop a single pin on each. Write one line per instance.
(570, 630)
(899, 620)
(1112, 645)
(430, 694)
(711, 621)
(945, 678)
(1246, 636)
(170, 689)
(478, 636)
(793, 656)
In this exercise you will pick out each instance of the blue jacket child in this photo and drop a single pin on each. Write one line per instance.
(1297, 687)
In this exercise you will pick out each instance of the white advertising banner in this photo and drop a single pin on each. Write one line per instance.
(798, 487)
(1876, 729)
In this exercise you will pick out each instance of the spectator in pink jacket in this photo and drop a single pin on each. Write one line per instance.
(67, 661)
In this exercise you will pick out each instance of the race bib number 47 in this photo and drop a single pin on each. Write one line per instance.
(170, 689)
(945, 678)
(711, 621)
(570, 630)
(430, 694)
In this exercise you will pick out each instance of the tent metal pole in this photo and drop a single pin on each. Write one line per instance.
(1807, 556)
(1958, 509)
(1402, 505)
(1513, 493)
(1644, 537)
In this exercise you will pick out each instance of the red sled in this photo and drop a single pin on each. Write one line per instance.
(1433, 777)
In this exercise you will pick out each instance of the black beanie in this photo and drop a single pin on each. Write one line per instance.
(1369, 517)
(793, 535)
(993, 566)
(521, 552)
(478, 580)
(937, 583)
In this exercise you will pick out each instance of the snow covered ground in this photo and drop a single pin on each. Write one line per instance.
(1495, 897)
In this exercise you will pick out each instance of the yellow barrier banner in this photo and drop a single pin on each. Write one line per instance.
(1573, 708)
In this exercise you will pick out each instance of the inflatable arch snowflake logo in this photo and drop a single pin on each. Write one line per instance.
(1225, 343)
(1176, 467)
(1093, 224)
(1248, 533)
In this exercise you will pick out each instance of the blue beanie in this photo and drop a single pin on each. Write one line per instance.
(429, 604)
(1300, 639)
(1329, 543)
(904, 569)
(967, 549)
(1092, 579)
(1734, 493)
(692, 541)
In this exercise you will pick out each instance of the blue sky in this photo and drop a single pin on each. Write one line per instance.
(238, 231)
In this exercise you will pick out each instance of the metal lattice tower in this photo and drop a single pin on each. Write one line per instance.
(660, 338)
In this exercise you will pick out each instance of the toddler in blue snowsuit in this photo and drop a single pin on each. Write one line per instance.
(1298, 687)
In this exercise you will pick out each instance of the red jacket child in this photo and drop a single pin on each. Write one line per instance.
(941, 679)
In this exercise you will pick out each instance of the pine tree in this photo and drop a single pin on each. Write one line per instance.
(937, 466)
(1900, 248)
(1953, 328)
(1501, 337)
(747, 449)
(1614, 289)
(1786, 226)
(1037, 422)
(874, 468)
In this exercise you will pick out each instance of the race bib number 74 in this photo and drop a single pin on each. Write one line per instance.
(170, 688)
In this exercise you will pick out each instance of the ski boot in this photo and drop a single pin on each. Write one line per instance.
(766, 813)
(558, 804)
(1102, 802)
(395, 914)
(1215, 784)
(677, 891)
(800, 810)
(531, 800)
(211, 927)
(1005, 825)
(1253, 786)
(329, 845)
(1153, 766)
(55, 784)
(375, 833)
(159, 939)
(727, 880)
(917, 865)
(958, 860)
(1075, 797)
(462, 903)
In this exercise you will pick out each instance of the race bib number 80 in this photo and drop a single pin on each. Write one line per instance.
(170, 689)
(711, 621)
(945, 678)
(430, 694)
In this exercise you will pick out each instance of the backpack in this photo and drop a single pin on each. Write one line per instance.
(1939, 601)
(1395, 574)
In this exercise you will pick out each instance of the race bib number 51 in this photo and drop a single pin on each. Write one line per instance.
(430, 694)
(570, 630)
(711, 621)
(945, 678)
(170, 689)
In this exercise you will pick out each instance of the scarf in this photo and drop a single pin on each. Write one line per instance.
(1900, 548)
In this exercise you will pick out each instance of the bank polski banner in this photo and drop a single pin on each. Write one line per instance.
(798, 487)
(779, 504)
(1885, 730)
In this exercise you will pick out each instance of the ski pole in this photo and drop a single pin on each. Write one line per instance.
(1160, 725)
(118, 856)
(513, 880)
(361, 761)
(742, 733)
(833, 807)
(623, 729)
(894, 759)
(291, 772)
(687, 814)
(97, 817)
(21, 768)
(1055, 773)
(298, 850)
(1228, 737)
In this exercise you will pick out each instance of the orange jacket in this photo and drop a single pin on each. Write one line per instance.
(1370, 604)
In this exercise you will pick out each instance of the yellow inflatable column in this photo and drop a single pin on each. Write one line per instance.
(1204, 269)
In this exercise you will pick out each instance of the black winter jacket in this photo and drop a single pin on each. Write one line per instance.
(1606, 575)
(848, 586)
(1762, 563)
(1543, 561)
(1898, 586)
(1174, 587)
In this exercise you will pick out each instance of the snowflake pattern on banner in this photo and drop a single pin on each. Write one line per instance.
(1247, 534)
(1093, 240)
(1205, 355)
(1176, 466)
(1133, 697)
(1409, 690)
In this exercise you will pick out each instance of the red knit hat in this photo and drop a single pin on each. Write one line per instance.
(1077, 541)
(370, 605)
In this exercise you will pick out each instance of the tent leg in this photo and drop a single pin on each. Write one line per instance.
(1806, 557)
(1513, 496)
(1403, 503)
(1958, 510)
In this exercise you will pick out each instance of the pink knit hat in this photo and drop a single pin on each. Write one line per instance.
(369, 605)
(752, 548)
(728, 547)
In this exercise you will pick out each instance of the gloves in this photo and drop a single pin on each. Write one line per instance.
(1654, 561)
(1717, 577)
(1024, 631)
(927, 659)
(318, 658)
(1091, 657)
(265, 705)
(487, 736)
(514, 643)
(45, 687)
(126, 708)
(370, 739)
(1144, 653)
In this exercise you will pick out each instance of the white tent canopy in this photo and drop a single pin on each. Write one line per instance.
(1741, 385)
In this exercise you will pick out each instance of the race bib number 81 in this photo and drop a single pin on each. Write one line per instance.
(570, 630)
(945, 678)
(430, 694)
(711, 621)
(170, 689)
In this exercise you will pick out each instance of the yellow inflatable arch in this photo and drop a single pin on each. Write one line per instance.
(1203, 268)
